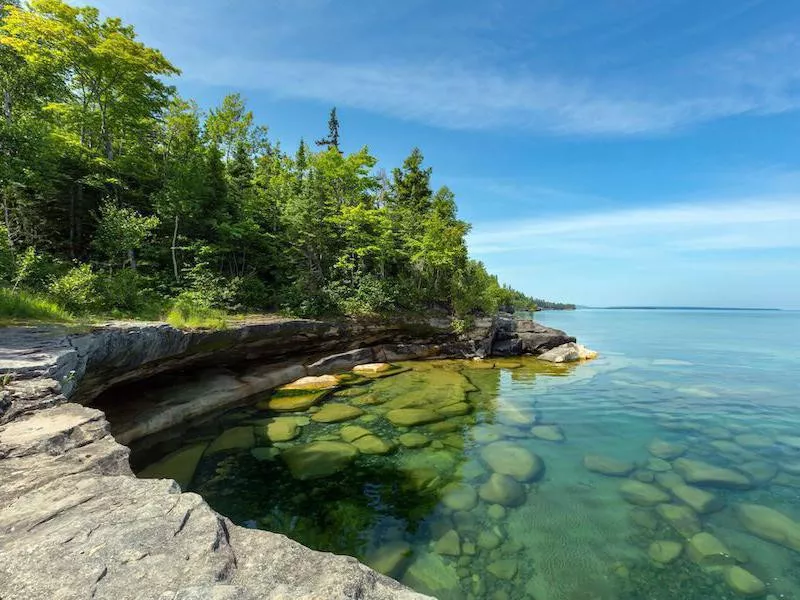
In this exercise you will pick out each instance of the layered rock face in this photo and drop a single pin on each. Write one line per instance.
(76, 523)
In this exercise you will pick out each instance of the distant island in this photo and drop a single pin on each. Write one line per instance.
(548, 305)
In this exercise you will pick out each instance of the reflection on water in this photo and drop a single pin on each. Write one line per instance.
(667, 469)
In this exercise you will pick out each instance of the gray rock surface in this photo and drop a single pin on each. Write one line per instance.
(76, 523)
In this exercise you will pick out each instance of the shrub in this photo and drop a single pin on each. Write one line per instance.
(22, 306)
(77, 289)
(6, 256)
(126, 293)
(191, 311)
(34, 270)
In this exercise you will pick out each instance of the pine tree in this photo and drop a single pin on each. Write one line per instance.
(412, 185)
(332, 141)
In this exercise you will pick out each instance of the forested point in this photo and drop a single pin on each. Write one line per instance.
(122, 199)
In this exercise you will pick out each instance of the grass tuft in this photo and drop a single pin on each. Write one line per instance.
(195, 317)
(20, 306)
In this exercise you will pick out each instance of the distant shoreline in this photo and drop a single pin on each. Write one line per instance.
(717, 308)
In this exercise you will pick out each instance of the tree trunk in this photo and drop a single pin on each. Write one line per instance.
(132, 259)
(174, 249)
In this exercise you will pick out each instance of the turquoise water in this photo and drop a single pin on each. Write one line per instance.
(722, 388)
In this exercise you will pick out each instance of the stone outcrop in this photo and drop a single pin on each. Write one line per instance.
(76, 523)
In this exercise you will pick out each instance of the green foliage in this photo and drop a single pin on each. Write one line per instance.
(34, 270)
(7, 263)
(103, 167)
(17, 305)
(191, 311)
(77, 289)
(122, 230)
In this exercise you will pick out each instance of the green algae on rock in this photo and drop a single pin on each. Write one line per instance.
(234, 438)
(744, 583)
(408, 417)
(318, 459)
(179, 465)
(336, 413)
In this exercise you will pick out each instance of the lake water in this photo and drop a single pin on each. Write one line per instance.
(691, 490)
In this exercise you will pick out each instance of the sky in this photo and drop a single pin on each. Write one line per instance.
(613, 152)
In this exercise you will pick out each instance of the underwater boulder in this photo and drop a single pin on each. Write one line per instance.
(319, 459)
(507, 458)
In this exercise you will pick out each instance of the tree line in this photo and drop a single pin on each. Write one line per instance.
(120, 197)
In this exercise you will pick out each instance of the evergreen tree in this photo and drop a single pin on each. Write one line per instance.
(332, 141)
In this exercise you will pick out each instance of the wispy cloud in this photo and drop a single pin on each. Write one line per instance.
(739, 224)
(761, 78)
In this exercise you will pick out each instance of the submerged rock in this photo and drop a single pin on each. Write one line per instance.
(455, 410)
(642, 494)
(179, 465)
(755, 441)
(708, 551)
(233, 439)
(701, 473)
(744, 583)
(507, 458)
(449, 544)
(664, 551)
(658, 465)
(407, 417)
(699, 500)
(496, 512)
(459, 496)
(549, 433)
(669, 480)
(769, 524)
(350, 433)
(666, 450)
(336, 413)
(372, 368)
(282, 430)
(372, 444)
(430, 574)
(390, 558)
(319, 459)
(321, 382)
(759, 471)
(505, 568)
(681, 518)
(503, 490)
(608, 466)
(414, 440)
(292, 402)
(488, 540)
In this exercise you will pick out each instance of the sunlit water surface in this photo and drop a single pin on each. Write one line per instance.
(718, 387)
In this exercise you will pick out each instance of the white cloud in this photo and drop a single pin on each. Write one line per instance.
(761, 78)
(738, 224)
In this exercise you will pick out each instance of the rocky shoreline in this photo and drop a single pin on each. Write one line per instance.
(76, 523)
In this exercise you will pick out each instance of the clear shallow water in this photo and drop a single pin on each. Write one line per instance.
(724, 385)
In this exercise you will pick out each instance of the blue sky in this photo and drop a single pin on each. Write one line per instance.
(607, 152)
